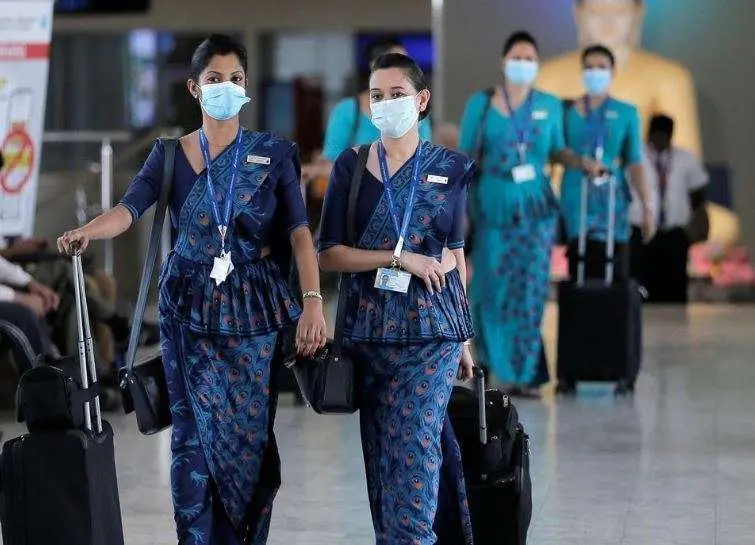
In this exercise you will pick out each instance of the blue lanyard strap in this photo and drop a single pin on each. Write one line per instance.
(402, 230)
(596, 123)
(222, 225)
(522, 127)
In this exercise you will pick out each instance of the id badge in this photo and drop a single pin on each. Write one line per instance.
(392, 280)
(600, 180)
(523, 173)
(222, 266)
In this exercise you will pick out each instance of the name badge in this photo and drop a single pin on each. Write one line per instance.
(392, 280)
(433, 179)
(523, 173)
(540, 114)
(612, 114)
(258, 159)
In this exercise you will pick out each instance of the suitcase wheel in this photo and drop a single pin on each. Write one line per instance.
(566, 387)
(624, 388)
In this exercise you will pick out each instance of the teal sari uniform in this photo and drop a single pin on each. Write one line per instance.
(514, 229)
(617, 124)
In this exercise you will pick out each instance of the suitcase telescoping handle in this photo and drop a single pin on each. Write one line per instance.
(86, 347)
(479, 376)
(611, 233)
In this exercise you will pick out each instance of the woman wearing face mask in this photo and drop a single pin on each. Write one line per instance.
(223, 300)
(407, 318)
(513, 131)
(349, 123)
(604, 133)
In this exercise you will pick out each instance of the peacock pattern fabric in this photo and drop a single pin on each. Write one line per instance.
(407, 345)
(218, 341)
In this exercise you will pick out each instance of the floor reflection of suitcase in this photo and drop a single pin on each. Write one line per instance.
(496, 457)
(599, 320)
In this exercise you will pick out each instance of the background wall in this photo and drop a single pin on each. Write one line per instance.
(713, 39)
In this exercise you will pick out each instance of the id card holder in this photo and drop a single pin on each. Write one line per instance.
(221, 267)
(600, 180)
(523, 173)
(392, 280)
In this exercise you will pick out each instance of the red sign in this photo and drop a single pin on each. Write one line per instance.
(20, 52)
(18, 151)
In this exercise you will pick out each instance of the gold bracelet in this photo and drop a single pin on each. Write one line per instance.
(312, 295)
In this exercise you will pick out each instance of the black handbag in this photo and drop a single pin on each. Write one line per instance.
(328, 381)
(143, 385)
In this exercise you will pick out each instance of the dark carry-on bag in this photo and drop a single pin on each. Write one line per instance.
(599, 320)
(328, 381)
(495, 454)
(59, 483)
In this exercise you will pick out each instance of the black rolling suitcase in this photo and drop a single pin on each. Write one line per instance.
(495, 454)
(599, 320)
(59, 484)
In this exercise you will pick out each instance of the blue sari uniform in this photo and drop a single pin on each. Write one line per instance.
(218, 341)
(618, 124)
(515, 226)
(409, 347)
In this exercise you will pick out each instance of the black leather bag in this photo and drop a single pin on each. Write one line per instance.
(328, 381)
(143, 384)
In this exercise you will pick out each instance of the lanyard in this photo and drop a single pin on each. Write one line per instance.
(596, 122)
(524, 128)
(222, 225)
(402, 230)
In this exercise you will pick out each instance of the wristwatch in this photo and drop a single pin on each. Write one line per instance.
(312, 295)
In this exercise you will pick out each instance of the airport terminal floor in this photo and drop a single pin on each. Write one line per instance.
(671, 466)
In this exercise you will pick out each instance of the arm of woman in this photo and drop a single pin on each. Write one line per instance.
(456, 243)
(633, 158)
(142, 193)
(310, 332)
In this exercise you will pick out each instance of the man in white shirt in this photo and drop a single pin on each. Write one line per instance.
(25, 302)
(677, 182)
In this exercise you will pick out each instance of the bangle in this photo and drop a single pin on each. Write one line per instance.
(312, 295)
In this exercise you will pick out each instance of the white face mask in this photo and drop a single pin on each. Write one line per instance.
(394, 118)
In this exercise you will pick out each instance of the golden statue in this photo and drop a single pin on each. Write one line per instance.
(654, 84)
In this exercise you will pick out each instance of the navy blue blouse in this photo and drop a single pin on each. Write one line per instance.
(437, 221)
(267, 206)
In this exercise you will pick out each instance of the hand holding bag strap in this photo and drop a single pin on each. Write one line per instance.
(351, 211)
(155, 235)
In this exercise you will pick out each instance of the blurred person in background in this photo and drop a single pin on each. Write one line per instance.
(224, 299)
(26, 303)
(513, 131)
(677, 182)
(605, 133)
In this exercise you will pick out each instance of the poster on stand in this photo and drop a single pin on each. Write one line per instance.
(25, 32)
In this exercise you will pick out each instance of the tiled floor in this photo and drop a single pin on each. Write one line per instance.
(674, 465)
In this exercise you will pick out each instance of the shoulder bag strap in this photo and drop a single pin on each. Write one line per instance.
(479, 147)
(351, 211)
(155, 235)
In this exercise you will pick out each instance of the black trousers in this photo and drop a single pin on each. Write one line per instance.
(33, 327)
(595, 260)
(661, 265)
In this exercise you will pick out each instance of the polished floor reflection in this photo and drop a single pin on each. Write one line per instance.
(673, 465)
